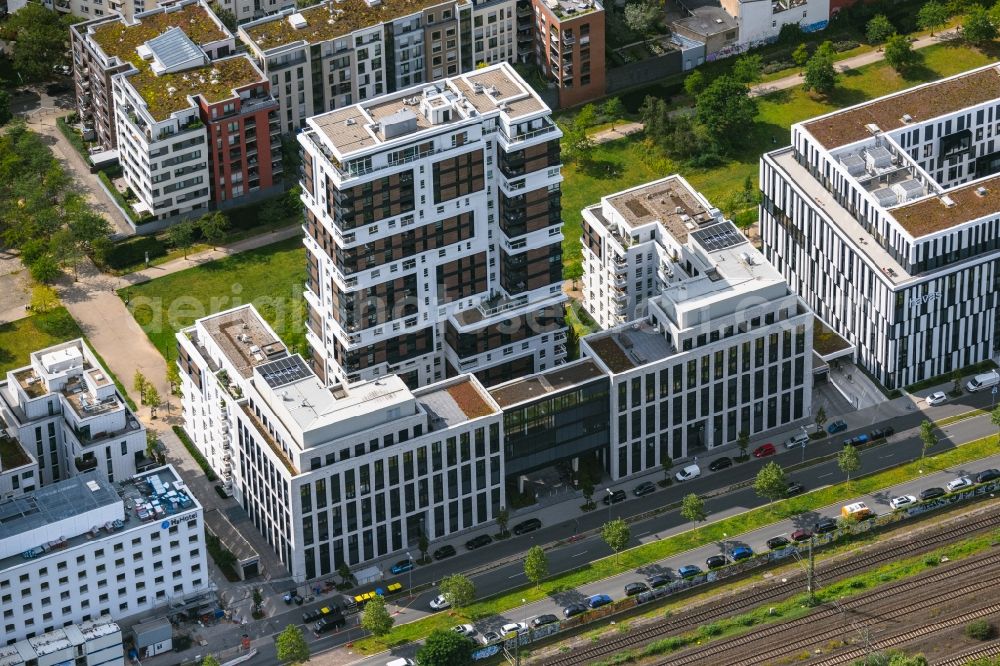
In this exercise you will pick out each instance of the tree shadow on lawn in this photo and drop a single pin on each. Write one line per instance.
(919, 73)
(601, 169)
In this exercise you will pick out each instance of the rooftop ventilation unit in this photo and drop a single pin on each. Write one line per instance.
(297, 21)
(981, 191)
(948, 201)
(872, 128)
(907, 118)
(350, 121)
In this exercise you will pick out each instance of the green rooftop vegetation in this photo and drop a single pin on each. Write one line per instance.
(167, 93)
(330, 20)
(12, 455)
(121, 41)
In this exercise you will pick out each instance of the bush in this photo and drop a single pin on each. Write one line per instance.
(195, 453)
(980, 630)
(132, 252)
(777, 66)
(846, 45)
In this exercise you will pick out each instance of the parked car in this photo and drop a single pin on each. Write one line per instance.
(440, 603)
(720, 463)
(774, 543)
(598, 600)
(901, 501)
(658, 580)
(931, 493)
(882, 433)
(741, 553)
(959, 483)
(634, 588)
(479, 541)
(837, 426)
(489, 637)
(802, 534)
(987, 475)
(529, 525)
(464, 630)
(857, 440)
(513, 628)
(763, 451)
(798, 439)
(936, 398)
(543, 620)
(574, 609)
(614, 497)
(689, 571)
(644, 488)
(402, 661)
(716, 561)
(317, 614)
(401, 567)
(688, 473)
(329, 623)
(794, 488)
(443, 552)
(987, 380)
(825, 525)
(855, 511)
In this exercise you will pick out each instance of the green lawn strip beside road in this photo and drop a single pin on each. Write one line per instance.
(948, 420)
(624, 163)
(799, 606)
(655, 551)
(270, 277)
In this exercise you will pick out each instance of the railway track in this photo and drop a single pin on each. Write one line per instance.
(988, 650)
(748, 600)
(806, 638)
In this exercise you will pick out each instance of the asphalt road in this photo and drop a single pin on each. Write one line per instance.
(904, 446)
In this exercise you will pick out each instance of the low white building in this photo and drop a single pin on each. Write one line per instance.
(92, 643)
(341, 473)
(83, 548)
(67, 414)
(760, 21)
(706, 340)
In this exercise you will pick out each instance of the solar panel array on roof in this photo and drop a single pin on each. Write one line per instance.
(174, 48)
(284, 371)
(719, 237)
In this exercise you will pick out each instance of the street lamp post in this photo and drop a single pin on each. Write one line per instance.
(611, 496)
(409, 574)
(806, 441)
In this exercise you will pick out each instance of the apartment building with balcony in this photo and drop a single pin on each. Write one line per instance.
(334, 54)
(336, 473)
(569, 47)
(705, 339)
(433, 232)
(108, 46)
(885, 218)
(84, 549)
(68, 417)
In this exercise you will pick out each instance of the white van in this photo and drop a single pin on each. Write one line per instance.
(983, 381)
(799, 439)
(402, 661)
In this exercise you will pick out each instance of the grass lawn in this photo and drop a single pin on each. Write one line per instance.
(647, 553)
(21, 337)
(270, 277)
(631, 161)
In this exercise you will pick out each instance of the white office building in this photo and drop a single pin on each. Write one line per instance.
(434, 233)
(68, 416)
(341, 473)
(92, 643)
(714, 342)
(82, 548)
(885, 218)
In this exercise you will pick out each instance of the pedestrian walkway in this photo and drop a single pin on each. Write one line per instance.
(617, 132)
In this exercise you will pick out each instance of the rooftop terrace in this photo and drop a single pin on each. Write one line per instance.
(456, 403)
(244, 338)
(920, 104)
(12, 454)
(55, 502)
(330, 20)
(670, 202)
(120, 40)
(532, 387)
(630, 346)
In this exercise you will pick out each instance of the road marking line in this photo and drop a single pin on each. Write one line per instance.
(516, 575)
(823, 476)
(643, 534)
(582, 552)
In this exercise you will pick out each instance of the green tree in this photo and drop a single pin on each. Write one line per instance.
(978, 27)
(88, 229)
(587, 488)
(210, 661)
(458, 590)
(748, 68)
(536, 565)
(344, 571)
(801, 54)
(771, 483)
(693, 509)
(927, 437)
(422, 545)
(376, 617)
(152, 399)
(291, 645)
(227, 17)
(932, 16)
(743, 442)
(820, 74)
(5, 113)
(667, 464)
(181, 235)
(694, 83)
(820, 419)
(849, 461)
(445, 648)
(503, 517)
(616, 534)
(258, 600)
(44, 269)
(174, 377)
(586, 117)
(139, 384)
(66, 250)
(879, 29)
(899, 53)
(641, 16)
(726, 110)
(43, 299)
(40, 37)
(956, 382)
(213, 227)
(576, 145)
(995, 419)
(612, 110)
(152, 442)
